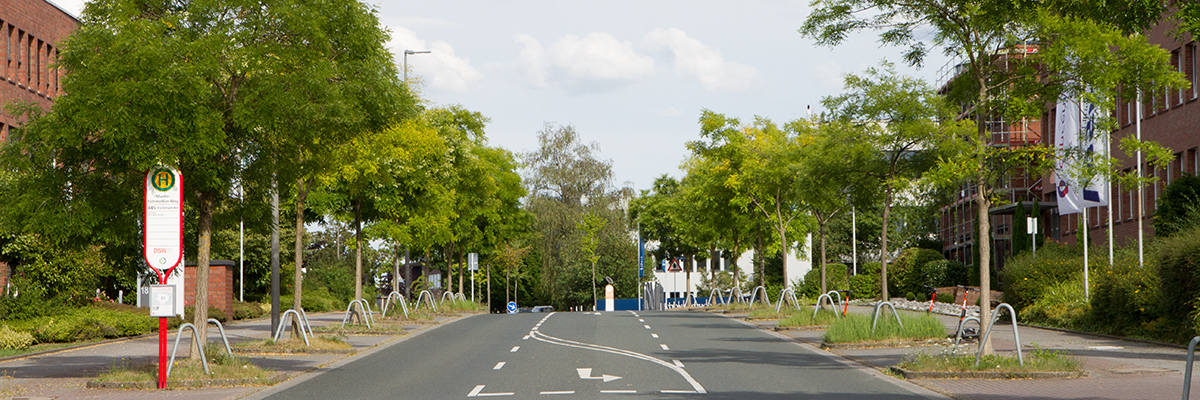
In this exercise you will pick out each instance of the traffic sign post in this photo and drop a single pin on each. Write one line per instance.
(163, 244)
(473, 266)
(512, 307)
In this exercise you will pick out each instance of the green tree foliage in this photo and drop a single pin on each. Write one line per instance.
(1179, 207)
(910, 271)
(566, 180)
(1020, 236)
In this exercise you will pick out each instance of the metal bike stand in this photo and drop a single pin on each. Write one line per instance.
(717, 294)
(452, 298)
(782, 297)
(460, 296)
(428, 297)
(876, 314)
(304, 317)
(403, 305)
(362, 307)
(220, 328)
(754, 294)
(1187, 374)
(195, 338)
(962, 325)
(826, 296)
(988, 333)
(283, 320)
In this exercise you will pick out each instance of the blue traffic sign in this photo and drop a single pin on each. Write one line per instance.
(512, 307)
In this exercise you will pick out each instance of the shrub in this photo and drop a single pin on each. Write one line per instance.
(87, 323)
(866, 284)
(314, 299)
(1062, 305)
(835, 279)
(215, 313)
(1027, 276)
(31, 301)
(1179, 207)
(908, 274)
(248, 310)
(1178, 259)
(1123, 296)
(10, 339)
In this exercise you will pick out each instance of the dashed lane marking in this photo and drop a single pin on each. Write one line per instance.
(618, 391)
(525, 338)
(558, 392)
(655, 335)
(647, 326)
(514, 349)
(664, 346)
(501, 365)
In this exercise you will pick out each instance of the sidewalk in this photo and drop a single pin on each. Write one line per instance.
(1116, 368)
(63, 374)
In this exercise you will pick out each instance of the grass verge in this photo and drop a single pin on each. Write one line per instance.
(856, 328)
(1036, 361)
(220, 364)
(319, 343)
(824, 317)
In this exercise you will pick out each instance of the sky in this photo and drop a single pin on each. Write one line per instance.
(630, 76)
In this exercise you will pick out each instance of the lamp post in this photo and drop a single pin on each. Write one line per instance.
(406, 53)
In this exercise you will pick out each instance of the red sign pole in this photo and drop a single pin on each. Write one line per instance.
(163, 240)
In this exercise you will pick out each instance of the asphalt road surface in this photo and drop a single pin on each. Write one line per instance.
(599, 355)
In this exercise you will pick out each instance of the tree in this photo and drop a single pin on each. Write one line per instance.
(767, 178)
(202, 85)
(906, 125)
(1080, 45)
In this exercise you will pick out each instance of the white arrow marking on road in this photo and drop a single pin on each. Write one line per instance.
(586, 373)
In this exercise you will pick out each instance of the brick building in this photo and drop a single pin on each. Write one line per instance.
(1170, 118)
(30, 31)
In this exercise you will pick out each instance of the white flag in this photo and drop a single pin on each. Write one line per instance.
(1078, 147)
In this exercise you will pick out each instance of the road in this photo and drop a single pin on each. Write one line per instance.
(599, 355)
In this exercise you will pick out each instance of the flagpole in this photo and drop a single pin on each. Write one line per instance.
(1141, 189)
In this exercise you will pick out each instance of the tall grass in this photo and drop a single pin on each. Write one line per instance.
(857, 328)
(824, 316)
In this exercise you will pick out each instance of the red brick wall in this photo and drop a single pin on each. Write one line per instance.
(220, 287)
(30, 31)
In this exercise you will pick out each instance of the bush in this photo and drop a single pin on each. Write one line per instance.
(314, 299)
(1178, 259)
(31, 301)
(908, 274)
(835, 279)
(1179, 207)
(10, 339)
(248, 310)
(88, 323)
(1027, 276)
(866, 284)
(215, 313)
(1123, 296)
(1061, 305)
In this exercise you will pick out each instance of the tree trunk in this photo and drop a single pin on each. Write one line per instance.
(275, 311)
(298, 276)
(822, 228)
(396, 270)
(983, 236)
(462, 272)
(762, 259)
(448, 252)
(408, 282)
(783, 242)
(358, 245)
(200, 306)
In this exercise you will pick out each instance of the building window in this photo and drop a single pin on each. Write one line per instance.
(1190, 68)
(1177, 65)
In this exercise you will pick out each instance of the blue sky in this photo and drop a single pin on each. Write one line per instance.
(631, 76)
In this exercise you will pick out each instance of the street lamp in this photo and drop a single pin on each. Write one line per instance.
(406, 53)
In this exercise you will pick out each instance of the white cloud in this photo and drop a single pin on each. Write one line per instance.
(442, 69)
(696, 60)
(670, 112)
(587, 63)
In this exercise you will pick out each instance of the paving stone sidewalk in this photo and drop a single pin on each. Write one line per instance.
(64, 374)
(1117, 369)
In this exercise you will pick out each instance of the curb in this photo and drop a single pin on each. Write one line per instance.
(876, 345)
(907, 374)
(191, 384)
(801, 328)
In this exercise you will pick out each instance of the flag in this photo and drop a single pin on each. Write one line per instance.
(1079, 147)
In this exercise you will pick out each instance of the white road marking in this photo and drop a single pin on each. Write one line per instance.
(501, 365)
(641, 320)
(647, 326)
(479, 389)
(525, 338)
(1105, 347)
(678, 392)
(586, 373)
(514, 349)
(663, 346)
(560, 392)
(655, 335)
(618, 391)
(588, 346)
(677, 363)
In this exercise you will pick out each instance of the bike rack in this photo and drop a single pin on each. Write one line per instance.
(876, 314)
(779, 305)
(1187, 374)
(827, 296)
(988, 333)
(754, 294)
(363, 307)
(428, 297)
(715, 293)
(283, 320)
(179, 335)
(388, 301)
(452, 298)
(962, 325)
(461, 297)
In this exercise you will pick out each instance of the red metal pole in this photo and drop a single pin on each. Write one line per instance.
(162, 340)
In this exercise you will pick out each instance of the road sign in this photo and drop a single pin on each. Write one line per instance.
(473, 261)
(512, 307)
(163, 239)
